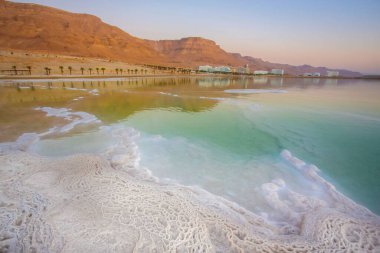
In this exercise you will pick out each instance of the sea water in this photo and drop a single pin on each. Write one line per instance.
(229, 136)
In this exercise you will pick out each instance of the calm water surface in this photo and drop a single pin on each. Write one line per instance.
(194, 133)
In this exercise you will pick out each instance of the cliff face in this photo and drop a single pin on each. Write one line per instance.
(195, 51)
(40, 28)
(44, 29)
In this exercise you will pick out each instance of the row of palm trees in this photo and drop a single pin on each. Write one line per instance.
(172, 70)
(16, 71)
(102, 70)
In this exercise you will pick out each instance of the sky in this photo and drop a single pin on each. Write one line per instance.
(331, 33)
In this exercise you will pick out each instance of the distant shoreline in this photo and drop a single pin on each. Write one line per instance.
(58, 77)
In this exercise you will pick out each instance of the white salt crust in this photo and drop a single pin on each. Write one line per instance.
(75, 118)
(88, 203)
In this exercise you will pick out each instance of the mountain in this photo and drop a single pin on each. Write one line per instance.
(194, 51)
(44, 29)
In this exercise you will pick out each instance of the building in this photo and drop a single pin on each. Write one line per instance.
(316, 74)
(243, 70)
(223, 69)
(212, 69)
(331, 73)
(260, 72)
(277, 71)
(205, 68)
(240, 70)
(307, 74)
(247, 71)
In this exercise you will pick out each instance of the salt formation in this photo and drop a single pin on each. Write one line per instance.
(168, 94)
(75, 118)
(88, 203)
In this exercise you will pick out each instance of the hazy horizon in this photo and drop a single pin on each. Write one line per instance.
(333, 34)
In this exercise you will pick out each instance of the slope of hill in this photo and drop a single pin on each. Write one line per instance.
(195, 51)
(40, 28)
(44, 29)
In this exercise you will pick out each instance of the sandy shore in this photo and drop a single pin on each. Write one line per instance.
(89, 203)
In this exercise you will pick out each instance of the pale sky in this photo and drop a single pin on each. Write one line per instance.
(331, 33)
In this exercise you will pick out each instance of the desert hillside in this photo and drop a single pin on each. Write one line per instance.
(41, 29)
(45, 29)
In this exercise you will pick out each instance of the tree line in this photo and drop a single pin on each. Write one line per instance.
(70, 70)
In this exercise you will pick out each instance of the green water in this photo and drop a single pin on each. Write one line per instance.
(195, 134)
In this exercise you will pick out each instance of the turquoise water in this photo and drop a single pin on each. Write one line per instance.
(235, 147)
(193, 133)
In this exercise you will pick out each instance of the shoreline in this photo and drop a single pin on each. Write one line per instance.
(107, 202)
(64, 196)
(59, 77)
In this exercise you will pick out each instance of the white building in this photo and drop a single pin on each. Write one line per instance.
(260, 72)
(316, 74)
(206, 68)
(277, 71)
(212, 69)
(222, 69)
(332, 73)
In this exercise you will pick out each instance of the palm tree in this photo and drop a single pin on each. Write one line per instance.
(128, 70)
(136, 70)
(141, 71)
(61, 68)
(90, 69)
(14, 69)
(146, 71)
(103, 70)
(117, 71)
(29, 69)
(47, 71)
(82, 69)
(121, 71)
(70, 69)
(97, 71)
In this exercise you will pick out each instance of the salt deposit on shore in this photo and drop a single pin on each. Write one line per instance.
(109, 203)
(88, 203)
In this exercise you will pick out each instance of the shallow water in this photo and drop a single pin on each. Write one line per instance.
(229, 143)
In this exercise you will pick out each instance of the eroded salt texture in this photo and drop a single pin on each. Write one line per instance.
(88, 203)
(75, 118)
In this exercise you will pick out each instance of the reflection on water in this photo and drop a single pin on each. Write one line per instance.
(330, 122)
(117, 99)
